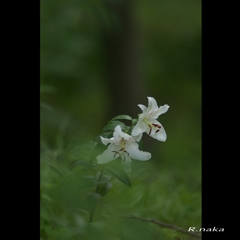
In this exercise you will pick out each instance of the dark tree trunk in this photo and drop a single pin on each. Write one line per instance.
(125, 85)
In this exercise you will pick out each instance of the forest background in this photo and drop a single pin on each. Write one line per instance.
(100, 59)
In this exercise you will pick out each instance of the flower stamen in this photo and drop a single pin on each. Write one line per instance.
(126, 152)
(116, 153)
(156, 125)
(150, 130)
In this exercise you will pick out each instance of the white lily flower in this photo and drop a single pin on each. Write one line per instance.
(147, 120)
(124, 146)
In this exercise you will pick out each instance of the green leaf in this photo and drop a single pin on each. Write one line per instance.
(141, 145)
(84, 163)
(93, 179)
(134, 121)
(120, 174)
(57, 166)
(112, 124)
(105, 179)
(104, 188)
(92, 199)
(123, 117)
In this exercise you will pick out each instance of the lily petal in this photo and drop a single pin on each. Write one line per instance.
(138, 137)
(161, 110)
(143, 108)
(161, 134)
(152, 104)
(108, 155)
(139, 128)
(137, 154)
(118, 134)
(105, 141)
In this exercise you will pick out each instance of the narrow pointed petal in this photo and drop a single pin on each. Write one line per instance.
(119, 134)
(127, 164)
(136, 154)
(108, 155)
(152, 104)
(143, 108)
(105, 141)
(161, 110)
(125, 136)
(116, 133)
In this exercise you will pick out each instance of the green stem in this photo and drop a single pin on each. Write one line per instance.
(97, 189)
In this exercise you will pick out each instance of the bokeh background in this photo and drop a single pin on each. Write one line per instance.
(100, 59)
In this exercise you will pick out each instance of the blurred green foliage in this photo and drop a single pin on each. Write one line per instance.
(74, 104)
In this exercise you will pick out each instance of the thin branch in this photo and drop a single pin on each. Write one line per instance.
(162, 224)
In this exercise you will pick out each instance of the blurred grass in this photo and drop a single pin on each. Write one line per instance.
(166, 194)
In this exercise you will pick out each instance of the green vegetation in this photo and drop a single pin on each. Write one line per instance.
(76, 105)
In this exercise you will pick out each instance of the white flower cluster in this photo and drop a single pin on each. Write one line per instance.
(125, 146)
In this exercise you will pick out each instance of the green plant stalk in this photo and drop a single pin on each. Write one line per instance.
(97, 189)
